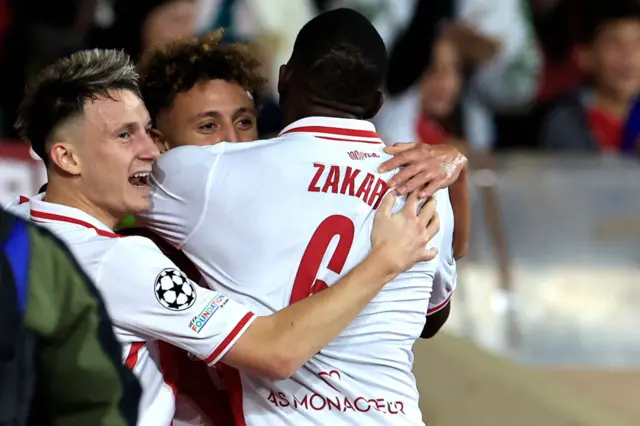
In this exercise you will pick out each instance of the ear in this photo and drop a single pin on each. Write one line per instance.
(376, 104)
(65, 157)
(284, 75)
(160, 141)
(583, 56)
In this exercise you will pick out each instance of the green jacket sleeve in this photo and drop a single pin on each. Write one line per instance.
(81, 374)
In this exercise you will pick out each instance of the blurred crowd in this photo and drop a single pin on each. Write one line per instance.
(558, 75)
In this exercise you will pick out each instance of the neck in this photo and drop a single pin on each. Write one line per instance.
(67, 195)
(304, 108)
(616, 105)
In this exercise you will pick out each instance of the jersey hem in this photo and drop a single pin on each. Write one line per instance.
(440, 306)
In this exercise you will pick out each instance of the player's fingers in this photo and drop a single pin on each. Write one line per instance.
(406, 174)
(428, 211)
(399, 147)
(430, 189)
(387, 204)
(401, 159)
(419, 182)
(433, 226)
(412, 204)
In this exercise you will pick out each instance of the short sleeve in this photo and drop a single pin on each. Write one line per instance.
(147, 295)
(444, 284)
(445, 280)
(179, 191)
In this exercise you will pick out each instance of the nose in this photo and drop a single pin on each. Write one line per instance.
(149, 150)
(229, 133)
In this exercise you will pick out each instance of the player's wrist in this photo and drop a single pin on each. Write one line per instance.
(381, 263)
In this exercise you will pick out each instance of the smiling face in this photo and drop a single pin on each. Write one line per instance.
(613, 58)
(210, 112)
(440, 84)
(110, 155)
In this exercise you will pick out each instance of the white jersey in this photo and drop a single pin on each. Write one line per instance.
(272, 222)
(148, 300)
(20, 206)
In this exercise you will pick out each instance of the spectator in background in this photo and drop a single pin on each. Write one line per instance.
(389, 17)
(499, 48)
(591, 118)
(143, 24)
(423, 113)
(34, 33)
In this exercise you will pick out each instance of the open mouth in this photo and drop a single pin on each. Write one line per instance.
(140, 180)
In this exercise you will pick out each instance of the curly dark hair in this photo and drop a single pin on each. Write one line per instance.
(178, 66)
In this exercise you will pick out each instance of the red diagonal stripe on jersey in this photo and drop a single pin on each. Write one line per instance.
(60, 218)
(132, 358)
(334, 131)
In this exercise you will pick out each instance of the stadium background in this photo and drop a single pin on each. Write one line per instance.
(544, 324)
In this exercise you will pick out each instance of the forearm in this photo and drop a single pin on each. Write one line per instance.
(459, 195)
(287, 339)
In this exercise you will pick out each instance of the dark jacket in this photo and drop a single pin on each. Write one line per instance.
(566, 127)
(60, 363)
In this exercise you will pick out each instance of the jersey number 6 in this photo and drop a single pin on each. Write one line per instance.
(305, 283)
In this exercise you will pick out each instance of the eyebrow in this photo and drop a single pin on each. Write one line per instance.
(217, 114)
(134, 124)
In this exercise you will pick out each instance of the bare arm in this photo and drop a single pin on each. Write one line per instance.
(459, 195)
(275, 346)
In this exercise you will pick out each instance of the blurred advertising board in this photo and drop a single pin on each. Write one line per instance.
(566, 290)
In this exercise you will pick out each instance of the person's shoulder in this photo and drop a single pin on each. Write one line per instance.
(132, 255)
(572, 103)
(158, 242)
(274, 149)
(189, 155)
(19, 206)
(133, 245)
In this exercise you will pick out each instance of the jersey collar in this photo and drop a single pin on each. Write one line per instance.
(22, 199)
(335, 129)
(50, 213)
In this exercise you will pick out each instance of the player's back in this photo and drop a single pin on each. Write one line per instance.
(280, 220)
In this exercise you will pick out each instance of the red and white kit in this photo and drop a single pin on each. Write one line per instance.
(271, 222)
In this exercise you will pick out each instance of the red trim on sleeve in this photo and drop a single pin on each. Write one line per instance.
(230, 337)
(132, 358)
(433, 310)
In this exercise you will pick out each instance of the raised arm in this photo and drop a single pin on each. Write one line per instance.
(215, 328)
(278, 345)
